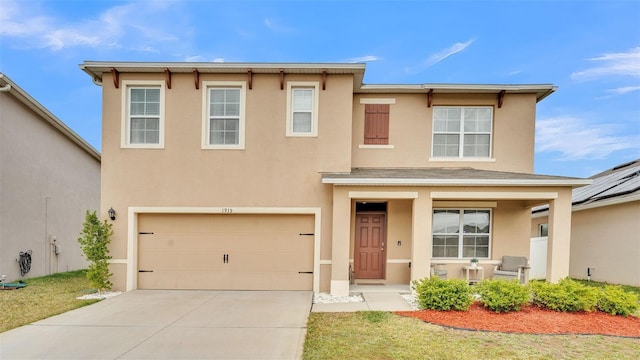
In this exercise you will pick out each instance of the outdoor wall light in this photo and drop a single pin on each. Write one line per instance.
(112, 214)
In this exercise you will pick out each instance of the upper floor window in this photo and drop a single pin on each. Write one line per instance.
(302, 109)
(462, 132)
(143, 114)
(461, 233)
(223, 126)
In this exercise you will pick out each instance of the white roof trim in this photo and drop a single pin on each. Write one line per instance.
(454, 182)
(593, 205)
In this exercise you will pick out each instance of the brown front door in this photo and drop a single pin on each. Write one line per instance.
(369, 251)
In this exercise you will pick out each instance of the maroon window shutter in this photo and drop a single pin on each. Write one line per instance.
(376, 124)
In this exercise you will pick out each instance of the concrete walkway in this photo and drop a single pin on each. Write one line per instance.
(170, 324)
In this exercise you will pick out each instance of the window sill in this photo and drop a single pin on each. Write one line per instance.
(373, 146)
(222, 147)
(142, 146)
(458, 159)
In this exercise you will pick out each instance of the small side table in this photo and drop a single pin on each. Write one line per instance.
(479, 273)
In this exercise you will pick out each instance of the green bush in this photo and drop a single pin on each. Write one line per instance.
(438, 294)
(615, 301)
(502, 295)
(566, 296)
(94, 241)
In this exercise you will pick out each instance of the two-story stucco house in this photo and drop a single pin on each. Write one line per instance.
(49, 178)
(300, 177)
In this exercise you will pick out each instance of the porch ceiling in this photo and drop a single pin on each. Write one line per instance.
(446, 177)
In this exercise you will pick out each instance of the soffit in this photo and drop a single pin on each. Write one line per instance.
(95, 69)
(540, 90)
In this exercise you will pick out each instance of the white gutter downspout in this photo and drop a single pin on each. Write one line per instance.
(5, 88)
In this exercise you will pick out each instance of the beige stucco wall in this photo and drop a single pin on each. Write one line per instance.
(272, 171)
(410, 131)
(47, 182)
(606, 238)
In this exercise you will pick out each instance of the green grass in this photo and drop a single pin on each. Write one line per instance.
(43, 297)
(382, 335)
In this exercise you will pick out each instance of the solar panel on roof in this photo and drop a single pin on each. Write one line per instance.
(608, 184)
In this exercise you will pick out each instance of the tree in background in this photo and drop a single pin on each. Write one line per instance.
(94, 241)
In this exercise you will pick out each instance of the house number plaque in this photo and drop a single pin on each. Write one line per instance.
(227, 211)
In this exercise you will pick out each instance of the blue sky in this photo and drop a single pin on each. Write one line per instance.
(590, 49)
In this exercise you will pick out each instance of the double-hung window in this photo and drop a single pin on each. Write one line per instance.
(462, 132)
(223, 125)
(461, 233)
(302, 109)
(143, 114)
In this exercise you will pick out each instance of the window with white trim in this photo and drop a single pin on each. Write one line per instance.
(302, 109)
(461, 233)
(143, 114)
(462, 132)
(223, 125)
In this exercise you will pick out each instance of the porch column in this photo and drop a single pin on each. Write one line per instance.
(340, 236)
(421, 237)
(559, 239)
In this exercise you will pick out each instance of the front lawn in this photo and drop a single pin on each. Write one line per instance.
(43, 297)
(383, 335)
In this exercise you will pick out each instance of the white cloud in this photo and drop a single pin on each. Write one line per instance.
(445, 53)
(366, 58)
(621, 64)
(440, 56)
(576, 138)
(624, 90)
(111, 28)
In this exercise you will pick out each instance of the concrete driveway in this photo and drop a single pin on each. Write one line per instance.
(170, 324)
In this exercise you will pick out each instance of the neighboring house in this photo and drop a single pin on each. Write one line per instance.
(605, 227)
(49, 177)
(301, 177)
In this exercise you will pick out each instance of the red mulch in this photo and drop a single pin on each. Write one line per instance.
(532, 320)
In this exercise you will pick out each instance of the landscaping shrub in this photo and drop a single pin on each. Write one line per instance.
(502, 295)
(615, 301)
(438, 294)
(567, 296)
(94, 241)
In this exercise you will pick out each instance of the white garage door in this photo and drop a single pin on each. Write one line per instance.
(225, 252)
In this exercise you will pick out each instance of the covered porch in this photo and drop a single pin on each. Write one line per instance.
(390, 226)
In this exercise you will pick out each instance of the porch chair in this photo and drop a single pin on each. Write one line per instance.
(512, 267)
(439, 271)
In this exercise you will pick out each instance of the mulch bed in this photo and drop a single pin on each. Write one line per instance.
(532, 320)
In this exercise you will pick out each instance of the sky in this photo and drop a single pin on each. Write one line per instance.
(589, 49)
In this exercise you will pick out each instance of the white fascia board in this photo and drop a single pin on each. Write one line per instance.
(96, 68)
(607, 202)
(455, 182)
(593, 205)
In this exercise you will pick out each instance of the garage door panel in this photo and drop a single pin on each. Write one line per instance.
(241, 252)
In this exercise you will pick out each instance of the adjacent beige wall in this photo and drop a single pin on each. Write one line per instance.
(47, 182)
(410, 132)
(606, 238)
